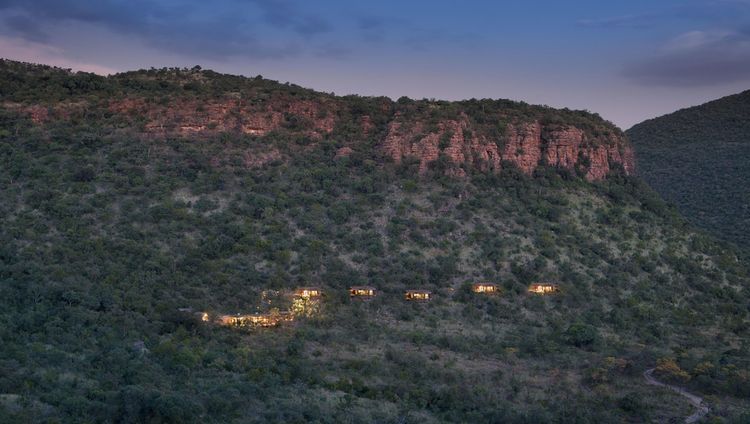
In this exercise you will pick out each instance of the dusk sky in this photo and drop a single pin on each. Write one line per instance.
(626, 60)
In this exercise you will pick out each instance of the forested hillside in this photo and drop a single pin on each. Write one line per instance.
(110, 228)
(699, 159)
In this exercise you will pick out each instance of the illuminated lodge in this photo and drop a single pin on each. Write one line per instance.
(418, 295)
(255, 320)
(484, 288)
(543, 288)
(362, 292)
(308, 292)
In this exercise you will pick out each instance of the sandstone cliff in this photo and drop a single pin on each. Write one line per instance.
(485, 135)
(523, 145)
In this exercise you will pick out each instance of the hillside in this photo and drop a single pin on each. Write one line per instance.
(116, 216)
(174, 103)
(698, 158)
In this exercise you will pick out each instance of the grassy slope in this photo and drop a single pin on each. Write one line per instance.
(697, 159)
(105, 235)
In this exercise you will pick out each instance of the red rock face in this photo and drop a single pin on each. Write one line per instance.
(366, 124)
(465, 144)
(38, 114)
(626, 156)
(524, 147)
(527, 146)
(190, 117)
(453, 139)
(563, 147)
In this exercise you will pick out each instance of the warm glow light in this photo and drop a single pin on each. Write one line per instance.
(362, 291)
(417, 295)
(542, 288)
(308, 292)
(484, 288)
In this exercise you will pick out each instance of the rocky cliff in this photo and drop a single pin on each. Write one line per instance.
(481, 135)
(525, 145)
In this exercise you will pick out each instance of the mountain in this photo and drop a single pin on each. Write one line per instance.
(483, 134)
(133, 201)
(699, 159)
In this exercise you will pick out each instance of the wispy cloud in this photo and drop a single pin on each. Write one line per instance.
(26, 28)
(284, 14)
(373, 28)
(696, 11)
(696, 58)
(215, 30)
(29, 51)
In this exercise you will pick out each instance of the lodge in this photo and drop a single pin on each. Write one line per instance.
(301, 305)
(543, 288)
(418, 295)
(227, 320)
(254, 320)
(308, 292)
(362, 292)
(484, 288)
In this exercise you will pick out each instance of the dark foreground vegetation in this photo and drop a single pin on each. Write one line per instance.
(106, 234)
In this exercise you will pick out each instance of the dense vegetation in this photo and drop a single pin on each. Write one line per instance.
(106, 234)
(697, 158)
(79, 92)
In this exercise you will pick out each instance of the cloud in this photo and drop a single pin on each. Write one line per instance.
(415, 36)
(28, 51)
(696, 40)
(696, 58)
(217, 30)
(25, 27)
(697, 11)
(372, 28)
(283, 14)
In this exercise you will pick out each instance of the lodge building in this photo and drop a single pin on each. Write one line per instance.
(484, 288)
(418, 295)
(308, 292)
(362, 292)
(254, 320)
(543, 288)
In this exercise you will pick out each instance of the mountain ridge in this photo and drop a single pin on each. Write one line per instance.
(474, 134)
(697, 158)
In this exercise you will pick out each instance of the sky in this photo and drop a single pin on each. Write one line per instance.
(627, 60)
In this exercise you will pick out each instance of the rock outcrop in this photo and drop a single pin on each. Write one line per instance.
(191, 117)
(488, 144)
(524, 145)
